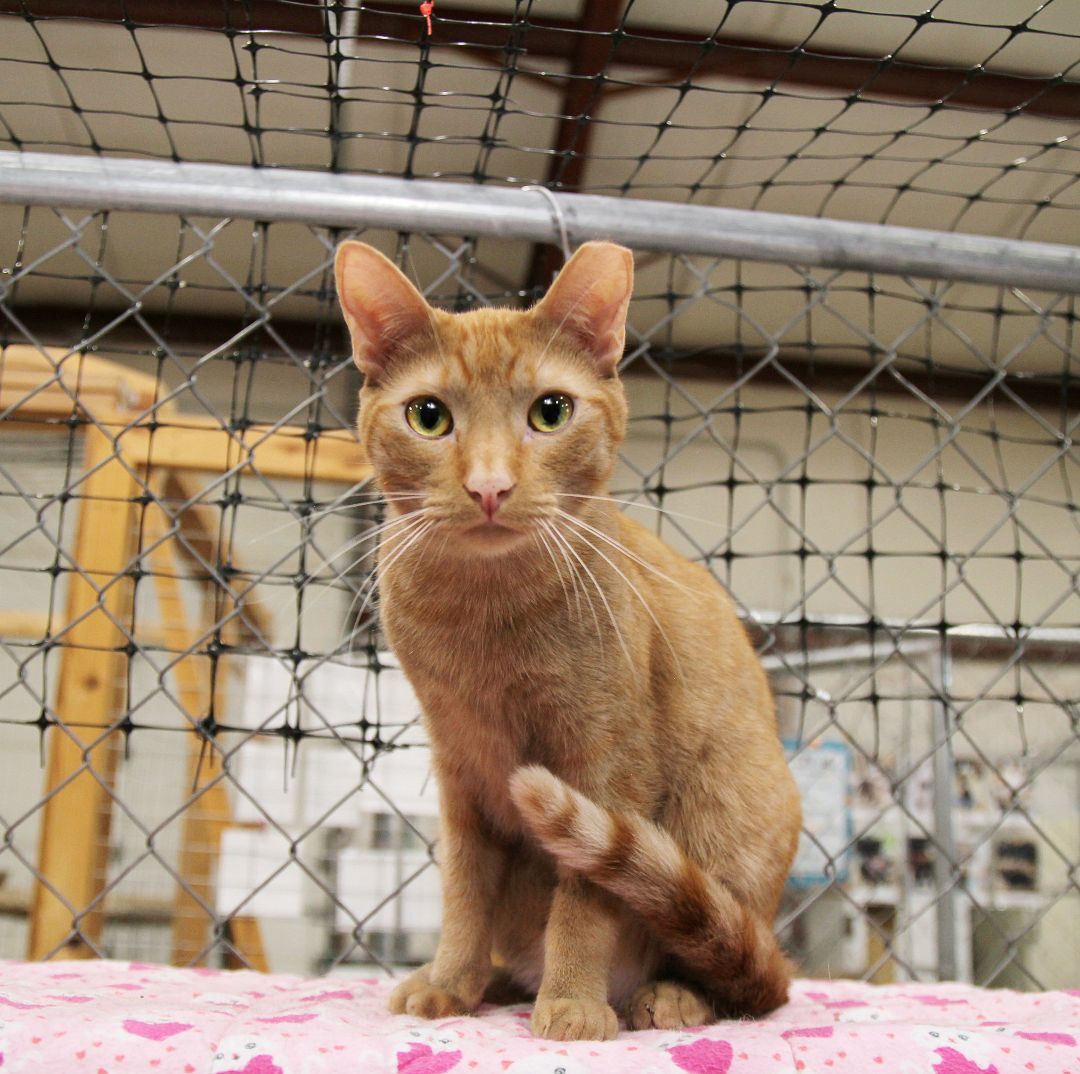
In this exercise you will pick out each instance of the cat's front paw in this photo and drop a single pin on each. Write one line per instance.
(416, 995)
(573, 1019)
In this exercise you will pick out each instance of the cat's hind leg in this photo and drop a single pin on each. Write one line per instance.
(668, 1004)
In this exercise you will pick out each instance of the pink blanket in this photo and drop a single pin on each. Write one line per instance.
(131, 1018)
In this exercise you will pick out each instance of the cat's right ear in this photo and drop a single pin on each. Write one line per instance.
(381, 307)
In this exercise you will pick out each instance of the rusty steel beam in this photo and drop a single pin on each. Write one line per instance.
(650, 47)
(594, 47)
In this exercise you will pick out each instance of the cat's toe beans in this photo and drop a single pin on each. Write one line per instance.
(433, 1002)
(574, 1019)
(639, 1014)
(416, 995)
(668, 1005)
(416, 980)
(694, 1010)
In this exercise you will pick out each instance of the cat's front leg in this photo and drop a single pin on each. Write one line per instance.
(579, 945)
(472, 866)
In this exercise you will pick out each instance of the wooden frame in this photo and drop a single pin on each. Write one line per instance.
(126, 456)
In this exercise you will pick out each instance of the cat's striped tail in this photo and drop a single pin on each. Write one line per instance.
(728, 949)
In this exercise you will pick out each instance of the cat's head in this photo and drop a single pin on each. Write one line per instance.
(494, 419)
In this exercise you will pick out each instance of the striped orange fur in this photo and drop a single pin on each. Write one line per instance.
(617, 819)
(726, 948)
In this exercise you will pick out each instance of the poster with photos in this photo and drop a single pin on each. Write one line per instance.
(822, 771)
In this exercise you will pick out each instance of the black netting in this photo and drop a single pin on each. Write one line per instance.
(941, 114)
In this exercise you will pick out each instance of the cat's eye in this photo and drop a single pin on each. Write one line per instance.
(429, 417)
(550, 412)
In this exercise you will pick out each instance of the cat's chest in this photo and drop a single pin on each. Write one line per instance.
(487, 653)
(485, 717)
(480, 758)
(476, 748)
(503, 684)
(522, 699)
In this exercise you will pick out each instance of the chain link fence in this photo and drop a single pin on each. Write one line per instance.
(898, 522)
(210, 756)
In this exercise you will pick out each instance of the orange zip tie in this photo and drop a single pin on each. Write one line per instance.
(426, 8)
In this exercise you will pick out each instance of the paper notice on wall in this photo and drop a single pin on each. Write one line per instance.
(368, 877)
(262, 787)
(343, 695)
(271, 694)
(342, 709)
(402, 776)
(331, 776)
(336, 698)
(398, 704)
(255, 876)
(823, 772)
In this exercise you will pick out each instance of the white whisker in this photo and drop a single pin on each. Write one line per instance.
(603, 599)
(411, 539)
(442, 547)
(633, 588)
(368, 535)
(647, 507)
(370, 579)
(543, 541)
(575, 578)
(336, 507)
(369, 583)
(620, 547)
(329, 581)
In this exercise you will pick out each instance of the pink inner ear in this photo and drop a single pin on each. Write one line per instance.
(381, 307)
(609, 326)
(589, 298)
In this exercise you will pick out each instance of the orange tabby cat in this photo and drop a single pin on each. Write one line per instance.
(617, 819)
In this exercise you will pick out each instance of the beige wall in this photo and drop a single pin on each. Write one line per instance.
(767, 524)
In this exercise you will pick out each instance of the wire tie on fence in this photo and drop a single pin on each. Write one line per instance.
(560, 220)
(426, 8)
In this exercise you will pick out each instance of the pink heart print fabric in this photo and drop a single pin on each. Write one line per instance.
(134, 1018)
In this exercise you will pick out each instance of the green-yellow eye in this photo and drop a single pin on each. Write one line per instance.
(550, 412)
(429, 417)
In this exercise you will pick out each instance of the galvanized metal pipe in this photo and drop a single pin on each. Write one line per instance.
(357, 201)
(946, 882)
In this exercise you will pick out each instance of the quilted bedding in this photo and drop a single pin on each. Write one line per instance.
(132, 1018)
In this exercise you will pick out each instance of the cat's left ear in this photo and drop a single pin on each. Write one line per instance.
(381, 307)
(588, 300)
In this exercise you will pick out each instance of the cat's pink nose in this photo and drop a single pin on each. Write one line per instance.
(489, 490)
